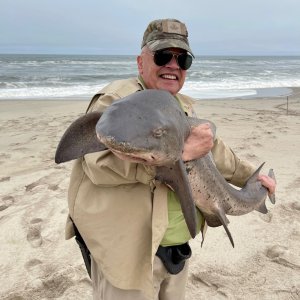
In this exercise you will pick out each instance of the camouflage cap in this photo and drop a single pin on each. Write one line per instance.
(166, 33)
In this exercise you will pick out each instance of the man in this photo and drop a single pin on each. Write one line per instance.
(132, 224)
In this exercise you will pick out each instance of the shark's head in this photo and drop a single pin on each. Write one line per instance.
(147, 127)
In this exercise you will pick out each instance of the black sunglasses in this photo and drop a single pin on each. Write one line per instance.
(162, 57)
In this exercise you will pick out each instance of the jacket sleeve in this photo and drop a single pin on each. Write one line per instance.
(234, 170)
(104, 168)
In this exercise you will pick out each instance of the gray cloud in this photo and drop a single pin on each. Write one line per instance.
(116, 27)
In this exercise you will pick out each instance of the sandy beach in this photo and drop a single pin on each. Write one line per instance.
(37, 263)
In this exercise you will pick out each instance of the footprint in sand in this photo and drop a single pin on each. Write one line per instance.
(294, 184)
(259, 145)
(53, 187)
(271, 134)
(283, 256)
(291, 207)
(58, 167)
(251, 156)
(5, 156)
(32, 263)
(3, 179)
(34, 267)
(212, 285)
(34, 236)
(295, 206)
(283, 129)
(6, 202)
(276, 251)
(50, 181)
(31, 186)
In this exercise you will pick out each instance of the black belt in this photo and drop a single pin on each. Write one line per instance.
(174, 257)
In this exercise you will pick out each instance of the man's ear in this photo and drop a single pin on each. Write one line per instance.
(139, 61)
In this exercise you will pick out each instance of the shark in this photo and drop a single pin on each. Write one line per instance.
(150, 127)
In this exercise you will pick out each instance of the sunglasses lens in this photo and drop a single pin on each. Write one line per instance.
(161, 58)
(184, 60)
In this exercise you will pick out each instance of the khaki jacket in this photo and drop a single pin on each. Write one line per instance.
(120, 210)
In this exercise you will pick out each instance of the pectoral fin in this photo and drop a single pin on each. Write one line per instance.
(79, 139)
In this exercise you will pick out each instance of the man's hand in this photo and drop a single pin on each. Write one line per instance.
(199, 142)
(268, 182)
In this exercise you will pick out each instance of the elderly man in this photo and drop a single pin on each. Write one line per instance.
(133, 225)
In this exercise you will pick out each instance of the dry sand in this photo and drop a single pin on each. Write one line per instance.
(36, 261)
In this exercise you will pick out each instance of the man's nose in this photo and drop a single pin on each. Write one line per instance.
(173, 63)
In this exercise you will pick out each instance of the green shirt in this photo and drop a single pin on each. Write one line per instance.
(177, 232)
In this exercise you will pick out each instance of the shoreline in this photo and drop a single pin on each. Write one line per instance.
(254, 93)
(265, 93)
(18, 107)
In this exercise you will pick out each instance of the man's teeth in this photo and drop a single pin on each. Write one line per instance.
(168, 76)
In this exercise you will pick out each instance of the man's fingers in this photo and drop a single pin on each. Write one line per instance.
(199, 142)
(268, 182)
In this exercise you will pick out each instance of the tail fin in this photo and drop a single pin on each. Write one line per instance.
(272, 196)
(253, 180)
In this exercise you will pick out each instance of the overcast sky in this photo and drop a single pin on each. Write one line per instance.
(216, 27)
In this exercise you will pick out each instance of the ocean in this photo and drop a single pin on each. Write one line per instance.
(81, 76)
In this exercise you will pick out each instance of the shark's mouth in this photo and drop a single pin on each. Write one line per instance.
(139, 157)
(127, 151)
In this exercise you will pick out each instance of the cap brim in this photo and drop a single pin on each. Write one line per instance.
(169, 43)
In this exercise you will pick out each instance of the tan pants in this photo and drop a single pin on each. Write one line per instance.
(166, 285)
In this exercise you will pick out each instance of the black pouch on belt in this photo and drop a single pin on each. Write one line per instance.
(86, 254)
(174, 257)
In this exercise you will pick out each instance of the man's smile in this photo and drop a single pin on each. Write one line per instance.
(169, 76)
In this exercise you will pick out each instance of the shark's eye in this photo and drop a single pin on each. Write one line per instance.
(158, 132)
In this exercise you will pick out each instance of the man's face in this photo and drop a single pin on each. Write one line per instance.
(169, 77)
